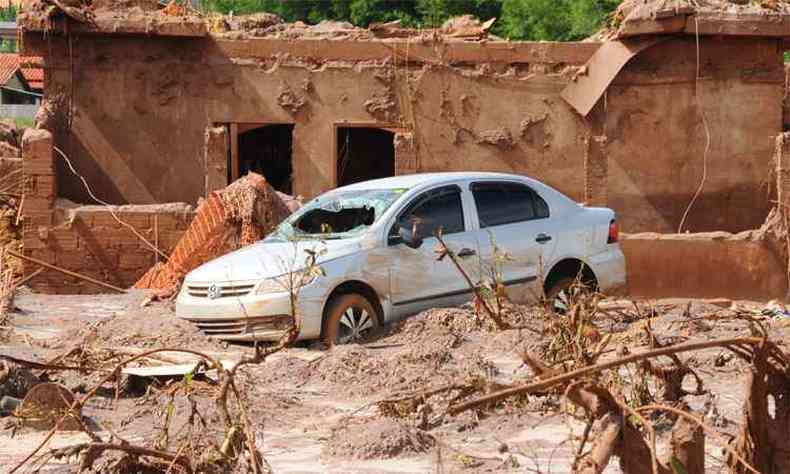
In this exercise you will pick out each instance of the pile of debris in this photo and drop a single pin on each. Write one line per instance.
(635, 17)
(10, 139)
(268, 25)
(239, 215)
(11, 180)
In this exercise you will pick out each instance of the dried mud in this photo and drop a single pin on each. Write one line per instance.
(320, 410)
(376, 439)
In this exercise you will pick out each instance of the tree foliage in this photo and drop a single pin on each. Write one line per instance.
(550, 20)
(553, 20)
(8, 13)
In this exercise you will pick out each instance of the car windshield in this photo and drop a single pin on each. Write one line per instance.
(337, 215)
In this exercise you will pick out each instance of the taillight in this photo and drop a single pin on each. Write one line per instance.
(613, 232)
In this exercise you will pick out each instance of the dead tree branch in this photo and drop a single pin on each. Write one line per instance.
(550, 382)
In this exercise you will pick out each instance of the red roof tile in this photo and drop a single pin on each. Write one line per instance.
(33, 70)
(33, 75)
(30, 66)
(9, 64)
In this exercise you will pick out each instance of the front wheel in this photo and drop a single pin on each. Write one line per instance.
(351, 318)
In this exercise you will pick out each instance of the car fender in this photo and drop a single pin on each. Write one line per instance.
(365, 266)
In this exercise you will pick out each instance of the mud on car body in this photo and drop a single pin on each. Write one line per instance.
(375, 245)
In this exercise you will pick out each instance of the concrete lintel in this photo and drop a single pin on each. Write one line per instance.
(411, 50)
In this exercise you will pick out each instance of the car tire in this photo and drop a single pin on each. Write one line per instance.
(351, 318)
(559, 297)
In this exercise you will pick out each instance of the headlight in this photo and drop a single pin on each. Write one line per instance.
(284, 283)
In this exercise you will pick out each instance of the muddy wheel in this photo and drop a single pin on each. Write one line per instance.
(350, 319)
(560, 296)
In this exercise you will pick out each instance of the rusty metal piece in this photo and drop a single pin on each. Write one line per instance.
(45, 404)
(587, 87)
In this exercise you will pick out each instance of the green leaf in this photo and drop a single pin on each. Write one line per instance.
(677, 466)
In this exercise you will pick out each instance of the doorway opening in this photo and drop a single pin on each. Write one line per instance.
(267, 150)
(364, 153)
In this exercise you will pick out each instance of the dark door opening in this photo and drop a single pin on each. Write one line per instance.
(267, 150)
(364, 153)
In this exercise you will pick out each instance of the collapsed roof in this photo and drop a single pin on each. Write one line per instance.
(149, 17)
(705, 17)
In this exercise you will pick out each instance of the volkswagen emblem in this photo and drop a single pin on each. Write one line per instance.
(213, 291)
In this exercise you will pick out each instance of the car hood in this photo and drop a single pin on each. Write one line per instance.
(269, 259)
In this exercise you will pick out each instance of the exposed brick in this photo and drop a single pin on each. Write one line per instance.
(42, 254)
(40, 186)
(37, 218)
(36, 204)
(136, 220)
(405, 153)
(782, 163)
(136, 260)
(32, 242)
(99, 219)
(64, 240)
(596, 172)
(77, 261)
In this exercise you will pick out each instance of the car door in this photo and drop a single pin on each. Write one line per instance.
(418, 280)
(514, 221)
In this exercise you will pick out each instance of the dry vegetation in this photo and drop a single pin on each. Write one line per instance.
(643, 380)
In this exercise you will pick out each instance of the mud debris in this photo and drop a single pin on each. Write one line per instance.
(377, 439)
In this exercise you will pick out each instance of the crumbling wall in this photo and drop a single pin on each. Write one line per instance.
(141, 105)
(704, 265)
(669, 132)
(682, 119)
(94, 241)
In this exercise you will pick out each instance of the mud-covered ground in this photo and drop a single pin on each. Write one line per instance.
(315, 410)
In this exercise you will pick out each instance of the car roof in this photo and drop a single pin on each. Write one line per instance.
(412, 180)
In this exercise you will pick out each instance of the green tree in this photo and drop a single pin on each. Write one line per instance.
(542, 20)
(8, 13)
(553, 20)
(365, 12)
(433, 12)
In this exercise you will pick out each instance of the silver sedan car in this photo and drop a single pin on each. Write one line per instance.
(375, 244)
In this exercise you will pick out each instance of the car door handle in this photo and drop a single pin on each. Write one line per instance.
(463, 253)
(542, 238)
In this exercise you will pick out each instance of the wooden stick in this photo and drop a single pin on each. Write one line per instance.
(30, 277)
(66, 272)
(19, 210)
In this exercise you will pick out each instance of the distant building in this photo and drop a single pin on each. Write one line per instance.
(21, 79)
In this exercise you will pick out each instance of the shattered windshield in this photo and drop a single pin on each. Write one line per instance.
(337, 215)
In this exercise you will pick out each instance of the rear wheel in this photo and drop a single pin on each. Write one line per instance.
(564, 293)
(351, 318)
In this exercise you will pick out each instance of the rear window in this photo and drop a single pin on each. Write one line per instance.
(500, 203)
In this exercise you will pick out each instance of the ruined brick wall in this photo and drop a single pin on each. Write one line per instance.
(87, 239)
(704, 265)
(142, 106)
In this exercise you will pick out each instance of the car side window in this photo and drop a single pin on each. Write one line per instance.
(439, 208)
(501, 202)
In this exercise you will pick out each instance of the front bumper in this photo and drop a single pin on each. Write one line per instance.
(247, 318)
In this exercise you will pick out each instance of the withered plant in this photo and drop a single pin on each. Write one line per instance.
(190, 448)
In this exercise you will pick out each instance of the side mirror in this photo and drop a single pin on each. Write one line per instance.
(411, 239)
